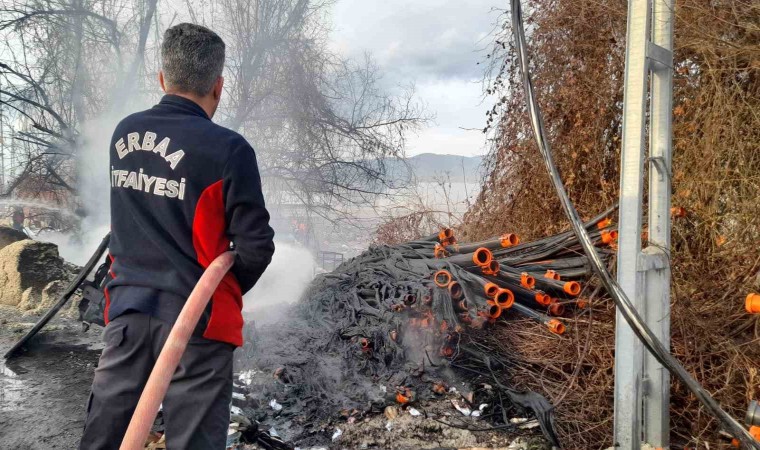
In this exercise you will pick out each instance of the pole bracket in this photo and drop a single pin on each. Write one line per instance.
(646, 386)
(659, 164)
(660, 57)
(652, 258)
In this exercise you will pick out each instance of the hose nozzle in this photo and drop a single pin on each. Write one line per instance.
(446, 352)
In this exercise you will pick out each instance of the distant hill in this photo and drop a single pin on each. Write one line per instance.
(431, 166)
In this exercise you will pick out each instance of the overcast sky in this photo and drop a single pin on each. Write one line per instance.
(434, 44)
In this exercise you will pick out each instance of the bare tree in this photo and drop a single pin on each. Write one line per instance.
(322, 125)
(62, 62)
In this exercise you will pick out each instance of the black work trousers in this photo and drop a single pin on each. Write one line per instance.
(197, 405)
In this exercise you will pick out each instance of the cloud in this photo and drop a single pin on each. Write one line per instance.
(433, 44)
(419, 39)
(459, 120)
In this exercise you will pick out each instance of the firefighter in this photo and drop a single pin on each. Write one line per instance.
(17, 219)
(183, 191)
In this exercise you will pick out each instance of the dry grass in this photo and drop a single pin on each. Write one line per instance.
(578, 54)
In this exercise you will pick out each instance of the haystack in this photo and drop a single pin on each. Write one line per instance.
(27, 265)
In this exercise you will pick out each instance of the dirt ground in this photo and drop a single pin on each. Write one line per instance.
(44, 391)
(429, 431)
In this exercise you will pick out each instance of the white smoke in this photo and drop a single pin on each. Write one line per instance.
(93, 190)
(284, 281)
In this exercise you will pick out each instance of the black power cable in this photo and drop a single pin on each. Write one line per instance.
(624, 305)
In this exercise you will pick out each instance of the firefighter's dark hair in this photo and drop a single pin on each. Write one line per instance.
(192, 58)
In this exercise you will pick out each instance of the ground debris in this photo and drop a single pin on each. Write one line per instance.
(391, 412)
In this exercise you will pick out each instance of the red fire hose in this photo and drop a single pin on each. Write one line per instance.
(167, 362)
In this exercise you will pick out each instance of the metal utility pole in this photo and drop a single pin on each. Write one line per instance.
(642, 385)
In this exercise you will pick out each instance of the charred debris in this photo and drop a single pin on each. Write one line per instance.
(401, 325)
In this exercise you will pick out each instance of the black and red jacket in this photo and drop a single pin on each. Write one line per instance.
(182, 190)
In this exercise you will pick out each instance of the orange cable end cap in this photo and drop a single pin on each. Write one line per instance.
(556, 309)
(455, 290)
(552, 275)
(494, 310)
(505, 298)
(442, 278)
(609, 237)
(752, 303)
(527, 281)
(446, 234)
(491, 289)
(555, 326)
(572, 288)
(604, 223)
(482, 257)
(509, 240)
(493, 268)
